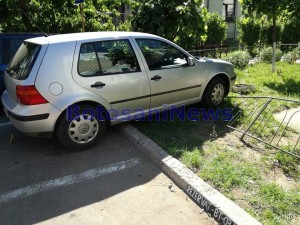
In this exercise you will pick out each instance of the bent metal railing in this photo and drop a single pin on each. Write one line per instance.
(269, 120)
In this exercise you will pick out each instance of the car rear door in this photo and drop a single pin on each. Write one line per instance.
(172, 80)
(111, 69)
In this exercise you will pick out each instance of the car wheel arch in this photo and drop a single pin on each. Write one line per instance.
(223, 76)
(80, 103)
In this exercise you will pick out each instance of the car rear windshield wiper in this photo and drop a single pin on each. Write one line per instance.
(8, 71)
(13, 69)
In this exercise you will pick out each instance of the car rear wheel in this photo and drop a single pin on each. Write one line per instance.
(214, 93)
(82, 130)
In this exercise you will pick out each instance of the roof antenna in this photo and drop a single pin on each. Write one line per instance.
(46, 35)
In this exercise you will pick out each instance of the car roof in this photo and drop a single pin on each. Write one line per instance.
(60, 38)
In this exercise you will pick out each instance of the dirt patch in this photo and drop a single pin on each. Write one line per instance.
(256, 153)
(240, 197)
(281, 179)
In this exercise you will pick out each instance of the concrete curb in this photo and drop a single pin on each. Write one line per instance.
(222, 209)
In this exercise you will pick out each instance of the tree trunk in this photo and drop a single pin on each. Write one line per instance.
(82, 17)
(274, 41)
(24, 13)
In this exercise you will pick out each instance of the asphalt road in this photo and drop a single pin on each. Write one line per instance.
(113, 183)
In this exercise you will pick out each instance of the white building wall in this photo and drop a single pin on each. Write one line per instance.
(217, 6)
(214, 6)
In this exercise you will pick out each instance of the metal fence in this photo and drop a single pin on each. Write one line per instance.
(219, 50)
(272, 121)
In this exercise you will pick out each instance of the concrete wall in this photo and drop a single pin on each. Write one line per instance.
(214, 6)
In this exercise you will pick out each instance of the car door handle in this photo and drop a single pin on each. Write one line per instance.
(156, 78)
(98, 84)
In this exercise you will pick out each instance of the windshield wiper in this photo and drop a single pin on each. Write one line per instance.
(12, 70)
(8, 71)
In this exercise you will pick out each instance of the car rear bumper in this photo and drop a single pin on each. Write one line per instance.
(34, 120)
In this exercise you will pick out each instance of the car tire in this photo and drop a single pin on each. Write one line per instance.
(82, 131)
(214, 93)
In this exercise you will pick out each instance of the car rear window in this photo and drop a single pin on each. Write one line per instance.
(23, 61)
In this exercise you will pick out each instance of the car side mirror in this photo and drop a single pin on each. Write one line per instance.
(190, 61)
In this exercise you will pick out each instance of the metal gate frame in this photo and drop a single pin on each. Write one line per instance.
(257, 114)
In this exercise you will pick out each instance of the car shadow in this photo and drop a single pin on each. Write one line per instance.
(185, 134)
(25, 161)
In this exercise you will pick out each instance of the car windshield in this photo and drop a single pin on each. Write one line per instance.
(21, 64)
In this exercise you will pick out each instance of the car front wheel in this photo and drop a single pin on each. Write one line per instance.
(214, 93)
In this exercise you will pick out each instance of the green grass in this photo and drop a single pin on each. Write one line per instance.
(289, 164)
(229, 170)
(224, 165)
(284, 83)
(193, 159)
(273, 205)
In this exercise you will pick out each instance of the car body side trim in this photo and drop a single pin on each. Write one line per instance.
(233, 78)
(156, 94)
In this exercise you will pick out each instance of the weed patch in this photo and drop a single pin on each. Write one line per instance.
(228, 170)
(273, 205)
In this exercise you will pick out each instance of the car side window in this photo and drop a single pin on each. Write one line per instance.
(161, 55)
(106, 58)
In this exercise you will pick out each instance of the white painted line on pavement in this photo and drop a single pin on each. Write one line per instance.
(68, 180)
(5, 124)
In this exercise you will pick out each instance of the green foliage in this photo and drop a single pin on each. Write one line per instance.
(60, 16)
(266, 54)
(177, 20)
(266, 33)
(289, 57)
(291, 32)
(254, 31)
(267, 7)
(249, 29)
(272, 9)
(216, 28)
(240, 59)
(296, 51)
(126, 26)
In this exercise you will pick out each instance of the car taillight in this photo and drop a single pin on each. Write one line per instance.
(28, 95)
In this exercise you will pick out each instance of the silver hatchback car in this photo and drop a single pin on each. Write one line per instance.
(59, 85)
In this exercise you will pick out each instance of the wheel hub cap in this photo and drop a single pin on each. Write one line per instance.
(217, 94)
(83, 128)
